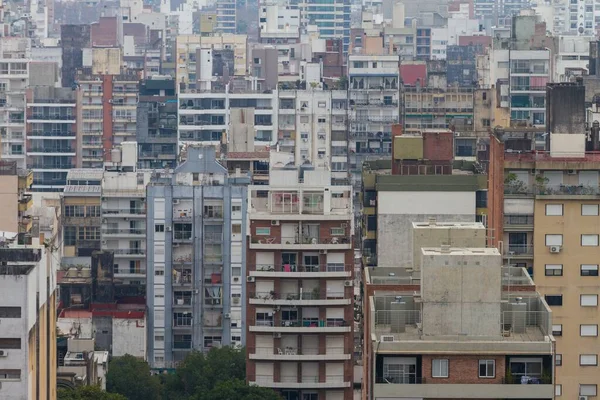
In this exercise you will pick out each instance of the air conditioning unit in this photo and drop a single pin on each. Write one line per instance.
(322, 251)
(235, 301)
(275, 222)
(250, 279)
(349, 283)
(583, 398)
(236, 279)
(572, 172)
(176, 201)
(387, 338)
(3, 353)
(555, 249)
(277, 335)
(227, 316)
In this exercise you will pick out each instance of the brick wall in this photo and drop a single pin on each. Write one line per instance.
(463, 369)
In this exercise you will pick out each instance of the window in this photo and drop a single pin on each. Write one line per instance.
(439, 368)
(588, 330)
(589, 209)
(321, 104)
(588, 390)
(159, 272)
(558, 359)
(588, 359)
(159, 228)
(70, 235)
(263, 231)
(589, 269)
(554, 300)
(159, 338)
(10, 374)
(558, 390)
(557, 330)
(236, 229)
(236, 271)
(182, 319)
(236, 338)
(236, 208)
(10, 343)
(554, 209)
(554, 240)
(338, 231)
(554, 269)
(10, 312)
(588, 300)
(589, 240)
(487, 368)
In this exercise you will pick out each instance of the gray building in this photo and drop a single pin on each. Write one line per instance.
(196, 219)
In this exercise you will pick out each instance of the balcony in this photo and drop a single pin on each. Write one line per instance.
(130, 253)
(128, 232)
(124, 212)
(182, 236)
(25, 203)
(286, 205)
(179, 345)
(305, 326)
(301, 243)
(518, 222)
(127, 273)
(300, 271)
(304, 382)
(308, 298)
(519, 251)
(297, 354)
(420, 388)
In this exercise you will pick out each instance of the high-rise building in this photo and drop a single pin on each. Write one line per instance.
(15, 201)
(544, 214)
(196, 259)
(51, 129)
(226, 16)
(299, 285)
(331, 17)
(14, 76)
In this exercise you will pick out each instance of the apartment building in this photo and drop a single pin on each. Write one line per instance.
(81, 214)
(466, 327)
(373, 96)
(15, 201)
(14, 76)
(420, 182)
(51, 132)
(156, 124)
(299, 286)
(332, 18)
(548, 204)
(108, 114)
(226, 16)
(123, 210)
(278, 23)
(204, 116)
(28, 344)
(436, 107)
(313, 127)
(197, 260)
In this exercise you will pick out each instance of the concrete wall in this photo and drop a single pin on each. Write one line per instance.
(398, 210)
(129, 337)
(9, 203)
(461, 292)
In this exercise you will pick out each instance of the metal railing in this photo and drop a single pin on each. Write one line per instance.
(182, 345)
(129, 231)
(300, 268)
(135, 211)
(300, 240)
(518, 219)
(519, 249)
(308, 295)
(400, 379)
(519, 322)
(293, 351)
(515, 379)
(268, 379)
(186, 235)
(387, 318)
(137, 252)
(213, 237)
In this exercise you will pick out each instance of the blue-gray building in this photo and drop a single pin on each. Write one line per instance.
(196, 218)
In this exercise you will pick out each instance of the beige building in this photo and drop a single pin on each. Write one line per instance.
(550, 224)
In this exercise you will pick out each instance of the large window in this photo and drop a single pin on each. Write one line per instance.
(554, 300)
(400, 370)
(10, 312)
(70, 235)
(589, 300)
(182, 319)
(487, 368)
(589, 269)
(589, 209)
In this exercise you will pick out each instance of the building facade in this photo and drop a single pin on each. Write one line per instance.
(299, 286)
(196, 221)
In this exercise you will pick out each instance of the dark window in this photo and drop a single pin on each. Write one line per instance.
(10, 374)
(481, 198)
(554, 300)
(159, 228)
(371, 222)
(10, 343)
(10, 312)
(589, 270)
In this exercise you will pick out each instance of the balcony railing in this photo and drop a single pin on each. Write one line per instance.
(294, 351)
(387, 318)
(268, 379)
(51, 150)
(134, 211)
(308, 295)
(400, 379)
(519, 249)
(300, 240)
(134, 252)
(213, 237)
(182, 345)
(300, 268)
(127, 231)
(515, 379)
(185, 236)
(518, 219)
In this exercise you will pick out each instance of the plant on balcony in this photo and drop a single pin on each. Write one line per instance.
(508, 378)
(540, 183)
(315, 293)
(513, 184)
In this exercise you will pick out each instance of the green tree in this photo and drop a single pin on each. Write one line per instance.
(237, 389)
(88, 393)
(131, 378)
